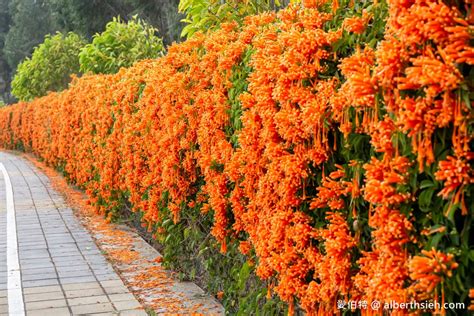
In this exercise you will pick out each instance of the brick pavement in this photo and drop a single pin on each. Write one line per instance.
(62, 270)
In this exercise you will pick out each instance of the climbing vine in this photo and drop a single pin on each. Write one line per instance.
(328, 147)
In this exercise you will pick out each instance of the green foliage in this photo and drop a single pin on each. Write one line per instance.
(31, 21)
(4, 68)
(90, 17)
(4, 21)
(120, 45)
(50, 67)
(190, 250)
(4, 26)
(162, 14)
(203, 15)
(86, 17)
(239, 85)
(24, 23)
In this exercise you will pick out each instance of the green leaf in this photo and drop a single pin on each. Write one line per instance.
(426, 184)
(434, 241)
(424, 199)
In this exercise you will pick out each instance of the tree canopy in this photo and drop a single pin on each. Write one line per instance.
(120, 45)
(24, 24)
(50, 67)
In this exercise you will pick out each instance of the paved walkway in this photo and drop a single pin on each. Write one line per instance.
(49, 264)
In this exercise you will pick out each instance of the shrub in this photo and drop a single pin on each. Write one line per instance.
(120, 45)
(49, 68)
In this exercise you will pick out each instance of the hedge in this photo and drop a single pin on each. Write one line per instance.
(327, 149)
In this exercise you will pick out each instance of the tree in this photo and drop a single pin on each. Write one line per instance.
(50, 67)
(90, 17)
(87, 17)
(120, 45)
(162, 14)
(24, 23)
(31, 21)
(4, 68)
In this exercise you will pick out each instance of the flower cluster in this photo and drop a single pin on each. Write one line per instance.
(429, 270)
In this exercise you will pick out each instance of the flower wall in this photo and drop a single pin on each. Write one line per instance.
(332, 142)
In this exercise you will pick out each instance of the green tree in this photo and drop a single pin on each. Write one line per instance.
(203, 15)
(31, 21)
(162, 14)
(87, 17)
(4, 68)
(50, 67)
(24, 23)
(90, 17)
(120, 45)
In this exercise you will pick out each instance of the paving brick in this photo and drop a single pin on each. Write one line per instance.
(134, 312)
(36, 265)
(38, 262)
(72, 280)
(42, 245)
(40, 276)
(68, 263)
(88, 300)
(81, 286)
(43, 289)
(36, 297)
(25, 272)
(104, 270)
(93, 308)
(121, 297)
(67, 259)
(62, 311)
(40, 283)
(65, 252)
(111, 283)
(84, 293)
(107, 277)
(45, 304)
(76, 273)
(116, 290)
(72, 266)
(125, 305)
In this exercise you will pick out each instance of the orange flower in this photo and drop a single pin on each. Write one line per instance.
(471, 296)
(429, 270)
(456, 173)
(331, 192)
(381, 136)
(382, 178)
(357, 24)
(245, 247)
(220, 295)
